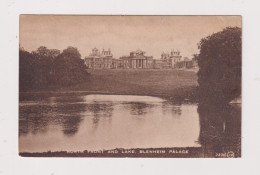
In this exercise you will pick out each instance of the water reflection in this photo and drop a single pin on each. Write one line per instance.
(70, 124)
(171, 108)
(138, 108)
(33, 120)
(220, 129)
(98, 110)
(51, 112)
(92, 122)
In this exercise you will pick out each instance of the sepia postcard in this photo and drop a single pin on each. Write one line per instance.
(130, 86)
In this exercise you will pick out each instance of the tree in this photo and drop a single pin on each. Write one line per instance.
(41, 51)
(46, 69)
(44, 52)
(26, 69)
(69, 67)
(71, 53)
(44, 66)
(219, 61)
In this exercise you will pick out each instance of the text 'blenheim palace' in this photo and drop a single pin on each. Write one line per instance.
(137, 60)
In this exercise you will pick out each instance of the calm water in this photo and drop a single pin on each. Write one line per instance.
(93, 122)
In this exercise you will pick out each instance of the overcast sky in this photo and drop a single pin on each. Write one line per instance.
(122, 34)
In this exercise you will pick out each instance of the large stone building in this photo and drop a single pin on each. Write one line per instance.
(99, 60)
(137, 60)
(169, 60)
(158, 64)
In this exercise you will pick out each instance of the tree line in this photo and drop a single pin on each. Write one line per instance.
(50, 69)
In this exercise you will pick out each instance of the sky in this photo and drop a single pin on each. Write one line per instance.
(122, 34)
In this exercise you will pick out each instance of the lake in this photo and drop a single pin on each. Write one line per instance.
(78, 122)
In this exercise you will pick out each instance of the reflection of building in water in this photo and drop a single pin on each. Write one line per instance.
(97, 60)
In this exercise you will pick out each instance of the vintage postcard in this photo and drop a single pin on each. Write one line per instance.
(130, 86)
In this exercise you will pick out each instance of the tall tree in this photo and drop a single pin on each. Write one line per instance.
(219, 61)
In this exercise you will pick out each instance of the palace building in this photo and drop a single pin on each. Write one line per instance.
(137, 60)
(99, 60)
(104, 60)
(170, 59)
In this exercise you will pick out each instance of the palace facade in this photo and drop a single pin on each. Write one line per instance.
(170, 60)
(104, 60)
(136, 60)
(99, 60)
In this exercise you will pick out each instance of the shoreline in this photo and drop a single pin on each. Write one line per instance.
(190, 94)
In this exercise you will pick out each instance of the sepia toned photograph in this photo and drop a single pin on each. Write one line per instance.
(130, 86)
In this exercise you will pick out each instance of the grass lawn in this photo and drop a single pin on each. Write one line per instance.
(155, 82)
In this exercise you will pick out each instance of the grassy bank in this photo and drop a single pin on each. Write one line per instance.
(166, 83)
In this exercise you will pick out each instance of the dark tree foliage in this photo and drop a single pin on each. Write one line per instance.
(42, 51)
(69, 67)
(27, 69)
(219, 61)
(49, 69)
